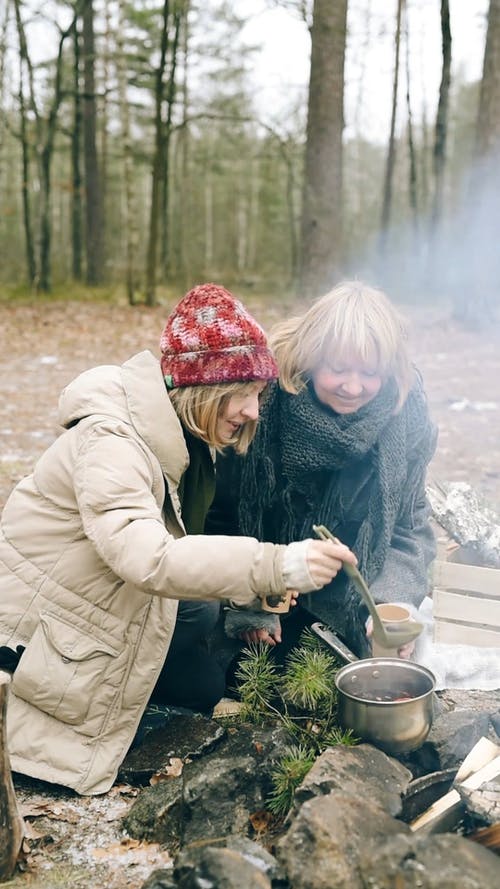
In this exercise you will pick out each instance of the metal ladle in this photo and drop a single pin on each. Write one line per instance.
(388, 636)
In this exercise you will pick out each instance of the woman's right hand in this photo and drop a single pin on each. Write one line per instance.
(325, 559)
(310, 564)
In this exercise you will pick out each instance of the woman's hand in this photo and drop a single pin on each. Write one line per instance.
(325, 559)
(405, 652)
(253, 637)
(268, 637)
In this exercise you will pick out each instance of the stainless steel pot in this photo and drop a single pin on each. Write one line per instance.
(386, 701)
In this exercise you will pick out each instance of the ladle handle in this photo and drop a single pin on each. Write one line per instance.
(358, 580)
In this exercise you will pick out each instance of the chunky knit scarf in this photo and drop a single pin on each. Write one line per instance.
(291, 470)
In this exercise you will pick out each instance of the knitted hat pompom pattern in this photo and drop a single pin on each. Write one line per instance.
(210, 337)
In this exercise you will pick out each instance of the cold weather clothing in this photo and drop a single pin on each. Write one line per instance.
(211, 338)
(93, 558)
(360, 474)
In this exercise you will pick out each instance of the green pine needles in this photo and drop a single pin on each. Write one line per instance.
(302, 696)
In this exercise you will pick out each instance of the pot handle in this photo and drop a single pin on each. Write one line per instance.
(333, 642)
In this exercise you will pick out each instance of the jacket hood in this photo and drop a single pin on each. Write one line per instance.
(134, 393)
(95, 391)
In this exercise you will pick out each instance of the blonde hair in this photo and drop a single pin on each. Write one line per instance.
(199, 409)
(351, 318)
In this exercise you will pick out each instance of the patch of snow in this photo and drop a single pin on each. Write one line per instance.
(465, 404)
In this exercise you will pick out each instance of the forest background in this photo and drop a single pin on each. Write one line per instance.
(140, 154)
(137, 153)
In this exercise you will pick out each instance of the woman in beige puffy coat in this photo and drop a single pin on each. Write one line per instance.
(102, 566)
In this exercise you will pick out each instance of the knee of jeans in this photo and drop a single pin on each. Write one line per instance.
(200, 616)
(209, 616)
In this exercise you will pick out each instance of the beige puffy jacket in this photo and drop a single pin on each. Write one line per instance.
(93, 558)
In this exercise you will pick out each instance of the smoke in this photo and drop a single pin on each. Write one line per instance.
(456, 260)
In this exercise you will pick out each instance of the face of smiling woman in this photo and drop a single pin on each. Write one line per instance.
(346, 384)
(239, 410)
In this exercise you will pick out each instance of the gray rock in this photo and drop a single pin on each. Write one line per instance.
(162, 878)
(157, 814)
(362, 771)
(183, 736)
(214, 796)
(441, 861)
(453, 735)
(210, 867)
(322, 847)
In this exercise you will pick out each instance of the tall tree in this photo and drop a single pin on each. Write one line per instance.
(477, 296)
(93, 192)
(158, 170)
(412, 153)
(130, 221)
(76, 135)
(391, 147)
(45, 133)
(488, 123)
(321, 228)
(441, 130)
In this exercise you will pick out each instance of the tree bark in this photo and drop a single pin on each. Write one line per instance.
(130, 226)
(441, 132)
(476, 297)
(170, 99)
(25, 155)
(76, 204)
(488, 122)
(11, 823)
(391, 148)
(158, 164)
(321, 234)
(412, 154)
(93, 203)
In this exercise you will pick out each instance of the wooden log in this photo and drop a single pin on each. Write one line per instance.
(11, 823)
(458, 509)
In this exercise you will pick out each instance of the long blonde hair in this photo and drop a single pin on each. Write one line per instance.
(199, 409)
(352, 317)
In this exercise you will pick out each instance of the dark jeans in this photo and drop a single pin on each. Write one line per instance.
(191, 676)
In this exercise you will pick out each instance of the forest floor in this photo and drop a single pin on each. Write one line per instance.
(76, 842)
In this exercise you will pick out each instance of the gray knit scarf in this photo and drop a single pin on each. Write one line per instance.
(290, 470)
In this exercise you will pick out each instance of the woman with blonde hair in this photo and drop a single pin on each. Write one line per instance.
(344, 440)
(108, 588)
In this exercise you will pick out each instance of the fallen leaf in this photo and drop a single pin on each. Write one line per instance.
(261, 820)
(173, 770)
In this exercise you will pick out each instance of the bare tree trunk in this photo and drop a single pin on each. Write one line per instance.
(103, 116)
(170, 99)
(76, 203)
(131, 230)
(391, 149)
(322, 198)
(46, 136)
(183, 199)
(3, 54)
(412, 183)
(11, 823)
(93, 203)
(488, 122)
(158, 164)
(25, 155)
(476, 302)
(441, 133)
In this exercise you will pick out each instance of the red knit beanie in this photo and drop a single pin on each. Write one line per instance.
(211, 338)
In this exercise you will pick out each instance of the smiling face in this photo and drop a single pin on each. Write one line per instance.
(346, 384)
(238, 410)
